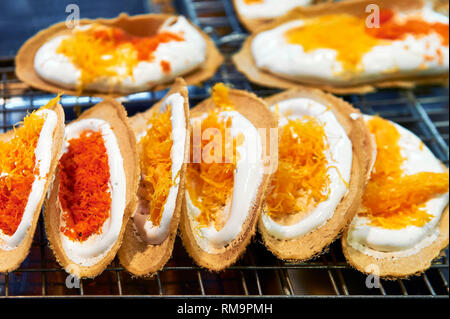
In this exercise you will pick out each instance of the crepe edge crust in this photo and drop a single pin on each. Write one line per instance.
(403, 267)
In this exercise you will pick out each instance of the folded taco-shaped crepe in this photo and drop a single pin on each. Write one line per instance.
(28, 159)
(402, 224)
(163, 145)
(94, 190)
(230, 168)
(117, 56)
(323, 163)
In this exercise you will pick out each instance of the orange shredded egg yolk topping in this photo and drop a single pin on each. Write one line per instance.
(253, 1)
(18, 171)
(84, 191)
(351, 39)
(302, 178)
(211, 181)
(99, 50)
(394, 200)
(156, 164)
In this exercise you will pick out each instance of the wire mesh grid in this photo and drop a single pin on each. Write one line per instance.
(258, 273)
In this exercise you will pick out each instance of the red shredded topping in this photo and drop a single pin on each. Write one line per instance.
(84, 186)
(391, 29)
(145, 46)
(18, 171)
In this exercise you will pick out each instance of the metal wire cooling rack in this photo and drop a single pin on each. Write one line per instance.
(424, 111)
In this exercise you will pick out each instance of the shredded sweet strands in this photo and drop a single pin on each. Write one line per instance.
(100, 50)
(315, 34)
(18, 170)
(221, 97)
(211, 181)
(253, 1)
(84, 190)
(302, 180)
(392, 199)
(156, 164)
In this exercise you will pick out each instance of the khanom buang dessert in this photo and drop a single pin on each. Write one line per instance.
(323, 164)
(94, 190)
(402, 224)
(163, 147)
(231, 164)
(341, 48)
(28, 159)
(117, 56)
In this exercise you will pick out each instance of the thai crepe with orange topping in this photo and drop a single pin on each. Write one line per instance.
(29, 155)
(402, 224)
(117, 56)
(231, 164)
(407, 44)
(163, 146)
(94, 190)
(324, 159)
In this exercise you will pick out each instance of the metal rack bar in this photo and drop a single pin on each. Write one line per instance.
(200, 282)
(428, 284)
(331, 276)
(244, 283)
(160, 288)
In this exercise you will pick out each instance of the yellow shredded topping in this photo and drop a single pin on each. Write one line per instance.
(210, 183)
(302, 178)
(253, 1)
(156, 164)
(221, 97)
(18, 171)
(392, 199)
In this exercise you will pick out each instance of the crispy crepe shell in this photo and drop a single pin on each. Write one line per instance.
(115, 114)
(245, 62)
(138, 257)
(140, 25)
(11, 260)
(315, 242)
(398, 268)
(257, 112)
